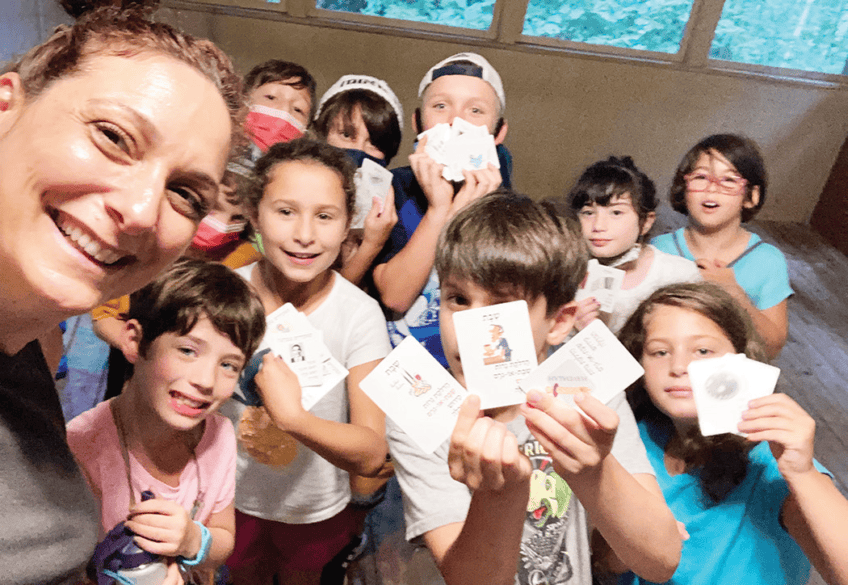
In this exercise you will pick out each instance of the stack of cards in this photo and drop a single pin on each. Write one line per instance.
(460, 146)
(603, 283)
(371, 180)
(722, 388)
(291, 336)
(593, 361)
(417, 393)
(497, 350)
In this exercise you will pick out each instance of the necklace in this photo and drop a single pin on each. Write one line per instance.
(122, 439)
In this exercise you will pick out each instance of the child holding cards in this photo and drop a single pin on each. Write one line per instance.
(363, 115)
(720, 184)
(616, 205)
(753, 506)
(290, 508)
(466, 87)
(187, 335)
(508, 496)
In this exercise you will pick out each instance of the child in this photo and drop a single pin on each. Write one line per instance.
(752, 506)
(720, 184)
(187, 336)
(615, 203)
(498, 498)
(464, 86)
(290, 505)
(363, 115)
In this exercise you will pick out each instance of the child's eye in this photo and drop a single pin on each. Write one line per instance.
(187, 351)
(270, 97)
(587, 212)
(731, 181)
(285, 211)
(658, 353)
(325, 216)
(232, 366)
(703, 351)
(617, 212)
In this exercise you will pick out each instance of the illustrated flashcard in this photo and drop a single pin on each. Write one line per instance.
(722, 388)
(417, 393)
(603, 283)
(460, 146)
(497, 350)
(371, 180)
(593, 361)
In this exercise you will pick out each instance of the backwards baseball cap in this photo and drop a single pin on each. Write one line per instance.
(368, 83)
(478, 67)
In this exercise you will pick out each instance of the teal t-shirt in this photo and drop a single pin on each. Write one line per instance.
(737, 540)
(761, 270)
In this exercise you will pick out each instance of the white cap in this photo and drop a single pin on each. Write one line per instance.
(368, 83)
(483, 70)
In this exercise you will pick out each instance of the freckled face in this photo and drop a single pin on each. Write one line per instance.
(675, 337)
(105, 177)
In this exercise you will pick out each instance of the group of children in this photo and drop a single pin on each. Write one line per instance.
(536, 493)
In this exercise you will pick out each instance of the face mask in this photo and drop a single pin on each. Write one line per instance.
(213, 233)
(358, 157)
(268, 126)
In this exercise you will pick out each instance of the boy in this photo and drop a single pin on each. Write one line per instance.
(187, 336)
(465, 86)
(516, 508)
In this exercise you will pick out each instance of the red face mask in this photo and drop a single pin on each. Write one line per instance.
(213, 233)
(268, 126)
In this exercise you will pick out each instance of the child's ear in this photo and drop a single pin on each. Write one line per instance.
(501, 134)
(562, 325)
(648, 223)
(129, 340)
(754, 200)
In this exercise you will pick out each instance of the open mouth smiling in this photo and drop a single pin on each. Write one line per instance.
(92, 247)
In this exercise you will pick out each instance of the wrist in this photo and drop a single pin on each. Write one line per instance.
(199, 548)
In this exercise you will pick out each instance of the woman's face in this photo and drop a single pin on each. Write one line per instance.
(105, 177)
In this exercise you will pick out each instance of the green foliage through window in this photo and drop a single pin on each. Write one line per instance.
(475, 14)
(811, 35)
(648, 25)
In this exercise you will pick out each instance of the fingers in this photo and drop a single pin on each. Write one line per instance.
(173, 577)
(483, 453)
(587, 311)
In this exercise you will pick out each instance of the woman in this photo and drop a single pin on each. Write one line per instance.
(113, 138)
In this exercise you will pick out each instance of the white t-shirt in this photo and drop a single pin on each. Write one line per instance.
(665, 269)
(310, 488)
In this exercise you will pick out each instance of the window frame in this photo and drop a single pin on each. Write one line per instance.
(506, 32)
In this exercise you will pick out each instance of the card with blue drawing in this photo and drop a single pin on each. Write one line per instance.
(603, 283)
(496, 348)
(722, 388)
(593, 361)
(417, 393)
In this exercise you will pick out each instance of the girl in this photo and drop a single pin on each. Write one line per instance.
(615, 203)
(720, 184)
(293, 466)
(98, 195)
(752, 506)
(187, 336)
(363, 115)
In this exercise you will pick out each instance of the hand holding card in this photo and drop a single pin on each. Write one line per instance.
(722, 388)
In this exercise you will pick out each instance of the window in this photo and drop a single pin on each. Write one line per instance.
(648, 25)
(799, 34)
(473, 14)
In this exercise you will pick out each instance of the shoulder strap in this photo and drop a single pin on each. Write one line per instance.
(745, 253)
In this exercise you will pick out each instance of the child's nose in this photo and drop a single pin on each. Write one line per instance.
(203, 376)
(679, 363)
(600, 223)
(304, 231)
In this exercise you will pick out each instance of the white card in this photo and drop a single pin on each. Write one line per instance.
(437, 138)
(722, 388)
(497, 350)
(371, 180)
(603, 283)
(593, 359)
(417, 393)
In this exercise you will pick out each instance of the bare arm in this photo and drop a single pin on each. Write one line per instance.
(484, 549)
(400, 280)
(357, 447)
(772, 324)
(815, 513)
(629, 511)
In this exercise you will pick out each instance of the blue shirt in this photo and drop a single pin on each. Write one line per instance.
(761, 269)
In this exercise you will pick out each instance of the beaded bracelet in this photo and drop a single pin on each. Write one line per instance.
(205, 545)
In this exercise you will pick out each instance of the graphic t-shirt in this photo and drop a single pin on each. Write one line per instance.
(555, 542)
